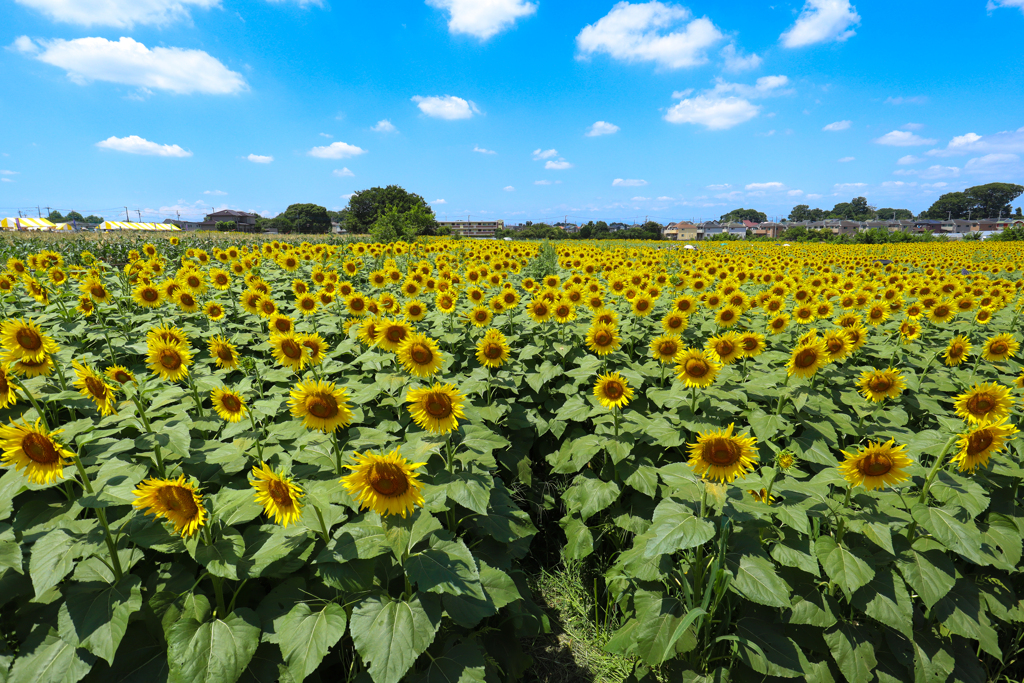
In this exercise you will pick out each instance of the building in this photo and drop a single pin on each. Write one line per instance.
(676, 231)
(473, 228)
(769, 229)
(243, 220)
(185, 225)
(713, 229)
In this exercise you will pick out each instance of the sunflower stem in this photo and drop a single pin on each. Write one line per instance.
(35, 403)
(928, 481)
(323, 527)
(195, 394)
(259, 435)
(841, 529)
(218, 589)
(339, 451)
(101, 514)
(149, 429)
(60, 376)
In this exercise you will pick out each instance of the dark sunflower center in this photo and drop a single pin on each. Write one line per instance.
(388, 480)
(806, 358)
(395, 333)
(438, 405)
(695, 367)
(675, 322)
(322, 406)
(170, 359)
(421, 354)
(876, 465)
(979, 442)
(283, 325)
(230, 403)
(98, 292)
(749, 344)
(492, 351)
(724, 348)
(980, 404)
(178, 499)
(308, 304)
(150, 295)
(667, 348)
(998, 348)
(727, 315)
(415, 311)
(224, 353)
(613, 390)
(603, 338)
(39, 448)
(880, 384)
(291, 349)
(541, 309)
(121, 377)
(834, 345)
(279, 493)
(941, 311)
(96, 388)
(642, 305)
(480, 316)
(29, 339)
(721, 452)
(187, 300)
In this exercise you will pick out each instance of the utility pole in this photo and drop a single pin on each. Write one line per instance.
(139, 214)
(40, 213)
(126, 218)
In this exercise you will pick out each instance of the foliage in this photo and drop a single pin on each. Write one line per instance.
(308, 218)
(978, 202)
(366, 206)
(1014, 233)
(740, 215)
(887, 214)
(226, 226)
(802, 213)
(856, 209)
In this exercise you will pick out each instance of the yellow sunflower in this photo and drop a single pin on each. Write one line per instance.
(119, 374)
(8, 396)
(697, 368)
(539, 310)
(288, 350)
(727, 316)
(778, 324)
(612, 391)
(229, 404)
(223, 352)
(808, 358)
(878, 385)
(984, 403)
(957, 351)
(977, 445)
(169, 361)
(602, 339)
(316, 345)
(665, 347)
(33, 368)
(167, 334)
(176, 500)
(722, 456)
(321, 405)
(480, 316)
(876, 465)
(280, 497)
(726, 346)
(420, 355)
(213, 310)
(147, 296)
(1000, 347)
(385, 483)
(390, 333)
(23, 339)
(92, 386)
(752, 344)
(436, 408)
(837, 344)
(32, 448)
(492, 350)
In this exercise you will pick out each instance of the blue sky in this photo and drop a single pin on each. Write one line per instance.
(513, 109)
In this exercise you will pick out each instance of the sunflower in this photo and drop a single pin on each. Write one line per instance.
(808, 358)
(306, 304)
(95, 288)
(984, 403)
(280, 497)
(119, 374)
(984, 316)
(957, 351)
(92, 386)
(762, 496)
(288, 350)
(213, 310)
(176, 500)
(722, 456)
(665, 347)
(229, 404)
(480, 316)
(1000, 347)
(8, 396)
(492, 350)
(250, 301)
(34, 368)
(877, 314)
(539, 310)
(281, 324)
(642, 305)
(942, 312)
(878, 385)
(223, 352)
(23, 339)
(436, 408)
(420, 355)
(316, 345)
(602, 339)
(752, 344)
(778, 324)
(612, 391)
(564, 312)
(979, 444)
(727, 316)
(186, 301)
(674, 322)
(696, 367)
(876, 465)
(321, 405)
(167, 334)
(837, 344)
(390, 333)
(147, 296)
(33, 448)
(169, 361)
(726, 346)
(385, 483)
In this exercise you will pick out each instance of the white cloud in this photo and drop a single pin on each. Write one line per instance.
(483, 18)
(913, 126)
(936, 185)
(845, 160)
(446, 107)
(336, 150)
(909, 159)
(917, 99)
(1005, 142)
(993, 163)
(385, 126)
(259, 159)
(795, 193)
(715, 113)
(326, 135)
(133, 144)
(849, 186)
(766, 86)
(9, 173)
(765, 186)
(481, 150)
(822, 21)
(541, 182)
(640, 199)
(342, 173)
(602, 128)
(736, 61)
(6, 180)
(509, 188)
(129, 62)
(628, 182)
(636, 33)
(559, 165)
(814, 196)
(680, 94)
(215, 193)
(118, 13)
(723, 186)
(931, 172)
(996, 4)
(439, 201)
(666, 199)
(903, 138)
(539, 154)
(348, 196)
(838, 125)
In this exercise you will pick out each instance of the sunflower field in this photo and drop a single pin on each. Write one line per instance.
(259, 460)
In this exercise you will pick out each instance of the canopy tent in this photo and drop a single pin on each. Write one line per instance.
(26, 224)
(63, 226)
(122, 225)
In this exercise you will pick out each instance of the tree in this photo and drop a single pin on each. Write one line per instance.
(365, 206)
(388, 226)
(225, 226)
(92, 218)
(55, 216)
(74, 216)
(855, 210)
(980, 201)
(308, 218)
(802, 213)
(279, 224)
(888, 214)
(1019, 214)
(739, 215)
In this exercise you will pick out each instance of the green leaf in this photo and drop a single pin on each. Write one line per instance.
(944, 524)
(775, 654)
(676, 528)
(589, 495)
(795, 551)
(389, 634)
(223, 557)
(854, 653)
(306, 636)
(234, 506)
(498, 585)
(766, 426)
(757, 579)
(574, 454)
(216, 651)
(928, 570)
(480, 439)
(461, 664)
(95, 616)
(849, 571)
(662, 627)
(445, 567)
(579, 541)
(50, 661)
(469, 489)
(886, 599)
(52, 558)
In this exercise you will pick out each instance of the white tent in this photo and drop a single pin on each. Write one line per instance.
(26, 224)
(149, 227)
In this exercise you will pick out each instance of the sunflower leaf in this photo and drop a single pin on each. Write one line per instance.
(389, 634)
(306, 636)
(95, 616)
(212, 651)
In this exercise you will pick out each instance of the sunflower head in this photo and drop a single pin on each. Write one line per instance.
(492, 350)
(420, 355)
(752, 344)
(697, 368)
(31, 447)
(602, 339)
(808, 358)
(175, 500)
(386, 483)
(169, 361)
(665, 347)
(228, 403)
(1001, 347)
(436, 409)
(288, 350)
(24, 339)
(119, 374)
(92, 386)
(612, 391)
(986, 402)
(980, 443)
(722, 456)
(726, 346)
(876, 465)
(878, 385)
(280, 497)
(321, 405)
